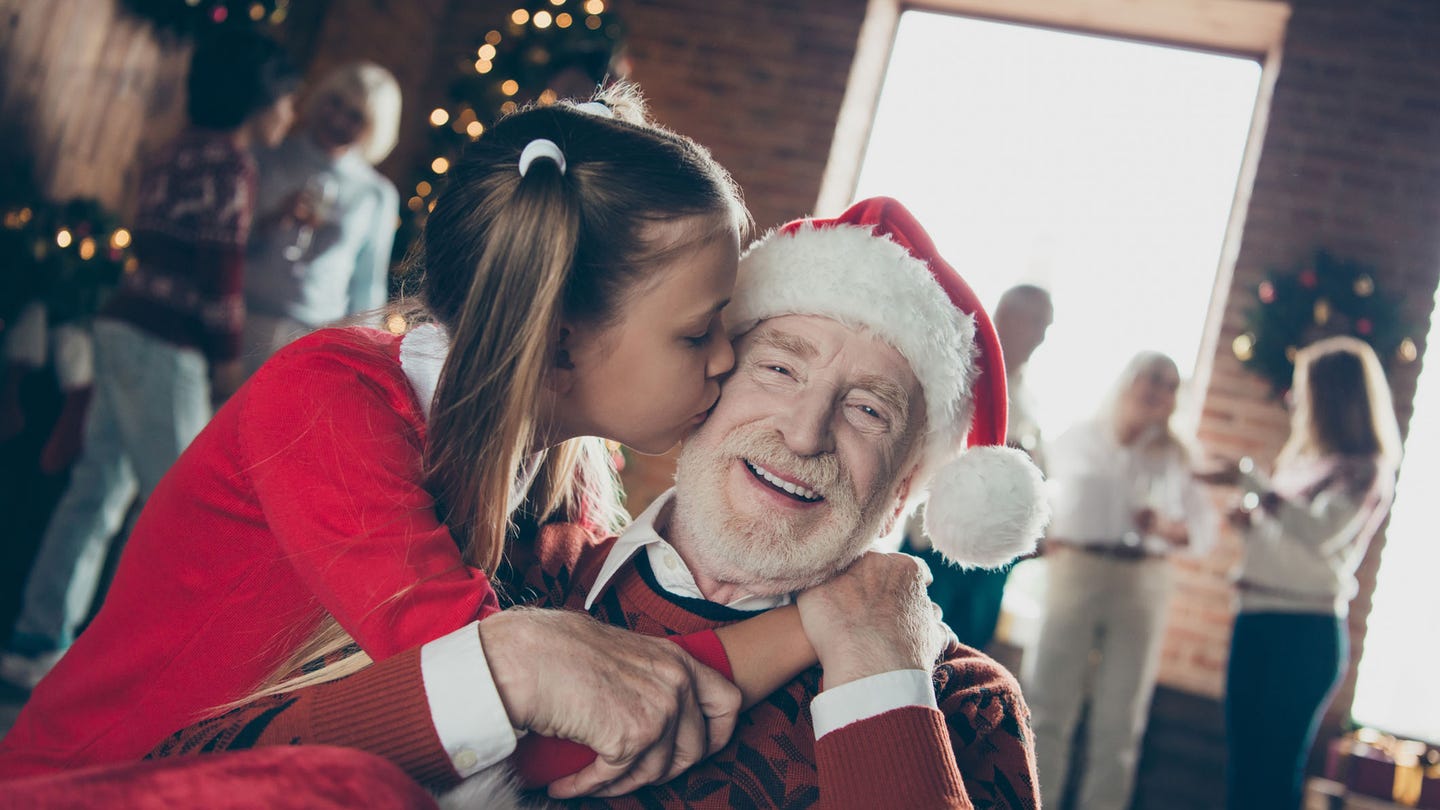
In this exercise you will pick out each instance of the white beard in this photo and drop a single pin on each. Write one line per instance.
(768, 555)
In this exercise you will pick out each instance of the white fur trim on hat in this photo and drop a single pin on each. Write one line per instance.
(987, 507)
(847, 273)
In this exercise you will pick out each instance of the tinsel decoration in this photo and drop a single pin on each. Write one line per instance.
(1321, 297)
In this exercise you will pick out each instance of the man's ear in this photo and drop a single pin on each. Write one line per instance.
(902, 496)
(560, 375)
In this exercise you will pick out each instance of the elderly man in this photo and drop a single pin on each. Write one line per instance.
(848, 398)
(970, 598)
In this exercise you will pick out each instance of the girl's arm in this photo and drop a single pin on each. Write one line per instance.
(766, 652)
(384, 709)
(330, 436)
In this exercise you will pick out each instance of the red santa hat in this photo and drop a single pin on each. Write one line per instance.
(874, 266)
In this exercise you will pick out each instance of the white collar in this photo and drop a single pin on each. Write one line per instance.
(671, 572)
(422, 355)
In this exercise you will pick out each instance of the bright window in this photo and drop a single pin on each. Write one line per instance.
(1101, 169)
(1400, 669)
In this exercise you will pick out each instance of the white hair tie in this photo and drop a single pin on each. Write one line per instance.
(541, 148)
(594, 108)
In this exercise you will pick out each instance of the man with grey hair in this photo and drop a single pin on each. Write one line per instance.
(848, 398)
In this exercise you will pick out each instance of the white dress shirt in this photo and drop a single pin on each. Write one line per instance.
(1097, 484)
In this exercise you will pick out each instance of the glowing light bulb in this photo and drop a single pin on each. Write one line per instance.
(509, 87)
(563, 20)
(543, 19)
(63, 238)
(474, 129)
(439, 116)
(439, 165)
(423, 188)
(520, 16)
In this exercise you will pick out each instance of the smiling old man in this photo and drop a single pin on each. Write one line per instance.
(864, 368)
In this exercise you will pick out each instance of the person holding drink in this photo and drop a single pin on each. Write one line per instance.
(1124, 499)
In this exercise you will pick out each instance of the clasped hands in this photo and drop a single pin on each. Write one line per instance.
(650, 711)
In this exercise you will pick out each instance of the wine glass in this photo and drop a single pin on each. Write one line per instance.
(317, 199)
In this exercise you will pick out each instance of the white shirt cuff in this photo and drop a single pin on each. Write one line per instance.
(868, 697)
(464, 703)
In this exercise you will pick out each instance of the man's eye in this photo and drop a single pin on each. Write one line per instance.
(697, 342)
(779, 370)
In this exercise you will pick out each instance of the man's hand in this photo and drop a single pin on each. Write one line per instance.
(645, 706)
(873, 618)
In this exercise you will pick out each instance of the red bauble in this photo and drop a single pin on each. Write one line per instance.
(1308, 279)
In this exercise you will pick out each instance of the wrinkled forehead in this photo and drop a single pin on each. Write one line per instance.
(854, 351)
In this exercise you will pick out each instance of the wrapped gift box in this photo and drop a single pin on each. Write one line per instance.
(1405, 772)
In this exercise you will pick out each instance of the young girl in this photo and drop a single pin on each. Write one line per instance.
(1303, 540)
(361, 486)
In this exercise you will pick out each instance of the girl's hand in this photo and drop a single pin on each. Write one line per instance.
(646, 707)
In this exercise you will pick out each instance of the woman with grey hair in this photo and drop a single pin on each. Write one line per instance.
(321, 248)
(1124, 499)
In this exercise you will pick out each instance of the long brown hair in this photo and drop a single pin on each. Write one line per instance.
(1342, 404)
(506, 257)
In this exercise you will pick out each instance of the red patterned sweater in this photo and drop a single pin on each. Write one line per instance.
(193, 219)
(976, 752)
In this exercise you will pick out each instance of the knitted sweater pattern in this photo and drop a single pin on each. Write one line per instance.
(912, 757)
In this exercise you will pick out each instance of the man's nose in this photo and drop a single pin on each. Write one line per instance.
(806, 424)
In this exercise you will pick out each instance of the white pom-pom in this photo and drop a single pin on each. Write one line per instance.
(987, 507)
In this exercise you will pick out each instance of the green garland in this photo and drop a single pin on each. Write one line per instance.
(544, 50)
(1322, 297)
(67, 255)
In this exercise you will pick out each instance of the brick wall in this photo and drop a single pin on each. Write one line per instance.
(1350, 160)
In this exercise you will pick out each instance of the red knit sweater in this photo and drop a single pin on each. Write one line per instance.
(976, 752)
(194, 212)
(301, 497)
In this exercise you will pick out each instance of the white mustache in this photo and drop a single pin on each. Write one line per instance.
(824, 474)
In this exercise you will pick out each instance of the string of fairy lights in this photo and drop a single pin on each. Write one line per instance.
(542, 51)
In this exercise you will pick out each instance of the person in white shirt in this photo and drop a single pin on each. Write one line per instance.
(1305, 532)
(970, 597)
(1124, 499)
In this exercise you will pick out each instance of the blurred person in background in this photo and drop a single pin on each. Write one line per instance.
(1305, 531)
(1124, 499)
(970, 597)
(171, 330)
(320, 251)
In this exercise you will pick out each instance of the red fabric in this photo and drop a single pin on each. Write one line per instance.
(887, 217)
(302, 496)
(308, 778)
(538, 761)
